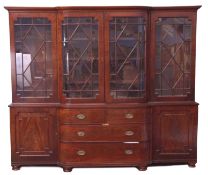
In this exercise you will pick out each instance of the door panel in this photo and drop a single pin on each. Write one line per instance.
(174, 131)
(33, 134)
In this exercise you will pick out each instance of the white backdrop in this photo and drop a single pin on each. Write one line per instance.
(201, 90)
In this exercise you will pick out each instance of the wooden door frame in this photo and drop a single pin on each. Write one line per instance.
(51, 16)
(108, 16)
(155, 14)
(99, 17)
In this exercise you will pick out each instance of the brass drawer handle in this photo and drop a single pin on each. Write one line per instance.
(81, 116)
(129, 133)
(129, 116)
(105, 124)
(81, 153)
(81, 133)
(128, 152)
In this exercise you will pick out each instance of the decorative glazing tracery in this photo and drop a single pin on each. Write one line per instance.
(33, 57)
(173, 56)
(80, 57)
(127, 57)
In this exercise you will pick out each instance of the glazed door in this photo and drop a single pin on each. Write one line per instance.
(125, 56)
(81, 56)
(172, 55)
(33, 49)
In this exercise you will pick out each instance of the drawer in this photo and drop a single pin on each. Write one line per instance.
(124, 132)
(82, 116)
(127, 115)
(101, 153)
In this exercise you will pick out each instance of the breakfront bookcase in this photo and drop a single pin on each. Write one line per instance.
(103, 86)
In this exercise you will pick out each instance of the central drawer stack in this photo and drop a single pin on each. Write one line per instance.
(100, 137)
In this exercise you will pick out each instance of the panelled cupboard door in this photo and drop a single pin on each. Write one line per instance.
(175, 133)
(33, 135)
(33, 57)
(173, 55)
(80, 38)
(125, 56)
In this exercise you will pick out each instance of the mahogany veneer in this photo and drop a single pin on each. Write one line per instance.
(103, 86)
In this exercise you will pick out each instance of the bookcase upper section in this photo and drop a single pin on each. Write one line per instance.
(102, 54)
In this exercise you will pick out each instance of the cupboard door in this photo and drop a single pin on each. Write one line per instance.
(80, 35)
(33, 135)
(175, 132)
(33, 45)
(125, 56)
(173, 52)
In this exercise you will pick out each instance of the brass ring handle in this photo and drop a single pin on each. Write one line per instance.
(128, 152)
(129, 133)
(81, 133)
(81, 153)
(129, 116)
(80, 116)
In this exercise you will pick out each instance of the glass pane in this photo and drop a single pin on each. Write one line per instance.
(33, 57)
(127, 57)
(80, 57)
(173, 57)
